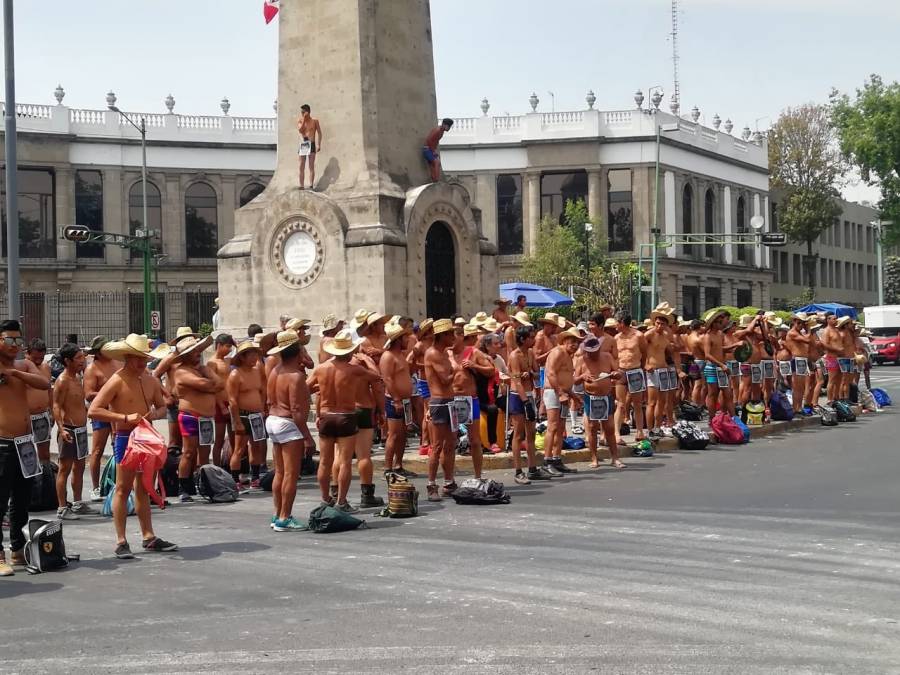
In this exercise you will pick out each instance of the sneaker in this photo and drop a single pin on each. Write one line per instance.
(66, 513)
(578, 430)
(666, 431)
(159, 545)
(553, 470)
(535, 473)
(424, 450)
(542, 470)
(185, 498)
(123, 551)
(346, 507)
(96, 496)
(522, 479)
(562, 468)
(406, 474)
(272, 523)
(331, 501)
(655, 433)
(84, 509)
(434, 494)
(6, 569)
(288, 525)
(254, 484)
(448, 489)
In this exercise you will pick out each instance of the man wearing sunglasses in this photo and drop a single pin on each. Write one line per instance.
(15, 423)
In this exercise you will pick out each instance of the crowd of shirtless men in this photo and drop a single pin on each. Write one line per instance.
(435, 379)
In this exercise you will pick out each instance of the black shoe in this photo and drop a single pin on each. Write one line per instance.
(406, 474)
(552, 470)
(536, 474)
(159, 545)
(123, 551)
(559, 466)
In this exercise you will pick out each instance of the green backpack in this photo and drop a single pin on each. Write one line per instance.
(327, 519)
(108, 477)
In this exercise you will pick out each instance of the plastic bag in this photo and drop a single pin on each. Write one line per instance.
(146, 454)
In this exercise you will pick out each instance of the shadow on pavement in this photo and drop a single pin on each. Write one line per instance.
(210, 551)
(12, 589)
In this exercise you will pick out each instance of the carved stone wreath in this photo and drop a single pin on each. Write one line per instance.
(283, 233)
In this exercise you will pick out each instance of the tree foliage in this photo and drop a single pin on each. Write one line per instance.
(869, 132)
(806, 165)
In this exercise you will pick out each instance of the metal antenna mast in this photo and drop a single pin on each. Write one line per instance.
(677, 92)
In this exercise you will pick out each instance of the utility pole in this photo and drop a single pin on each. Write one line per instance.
(12, 200)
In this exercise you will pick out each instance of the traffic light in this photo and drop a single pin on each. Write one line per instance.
(773, 239)
(76, 233)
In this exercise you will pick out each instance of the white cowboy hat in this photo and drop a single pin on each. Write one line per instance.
(359, 318)
(341, 344)
(181, 333)
(394, 331)
(191, 345)
(133, 345)
(285, 339)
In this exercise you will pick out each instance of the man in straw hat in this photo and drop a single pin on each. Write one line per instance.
(196, 386)
(439, 374)
(715, 372)
(597, 371)
(15, 423)
(816, 379)
(359, 321)
(330, 327)
(337, 382)
(369, 417)
(161, 372)
(660, 343)
(98, 372)
(129, 395)
(501, 310)
(469, 364)
(798, 342)
(245, 389)
(544, 343)
(301, 327)
(558, 383)
(521, 407)
(751, 371)
(220, 364)
(632, 354)
(288, 396)
(398, 385)
(421, 393)
(833, 343)
(518, 320)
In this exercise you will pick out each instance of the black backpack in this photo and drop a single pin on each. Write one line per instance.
(169, 474)
(265, 482)
(844, 411)
(44, 548)
(689, 411)
(43, 489)
(690, 436)
(325, 519)
(828, 415)
(216, 484)
(481, 491)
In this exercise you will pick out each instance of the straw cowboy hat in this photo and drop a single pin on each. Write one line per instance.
(133, 345)
(359, 318)
(746, 319)
(442, 326)
(191, 345)
(773, 319)
(843, 321)
(331, 322)
(479, 318)
(246, 346)
(553, 318)
(459, 321)
(375, 317)
(181, 333)
(664, 311)
(425, 326)
(502, 302)
(713, 314)
(570, 333)
(297, 324)
(394, 332)
(522, 319)
(96, 345)
(341, 344)
(610, 323)
(800, 316)
(490, 326)
(471, 329)
(285, 339)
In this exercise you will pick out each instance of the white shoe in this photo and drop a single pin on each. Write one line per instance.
(66, 513)
(84, 509)
(96, 496)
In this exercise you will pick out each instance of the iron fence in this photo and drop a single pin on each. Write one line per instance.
(56, 316)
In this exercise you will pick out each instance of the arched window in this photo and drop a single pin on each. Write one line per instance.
(709, 226)
(687, 213)
(251, 192)
(741, 227)
(136, 212)
(201, 221)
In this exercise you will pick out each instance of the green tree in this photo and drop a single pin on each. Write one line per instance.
(869, 131)
(806, 164)
(556, 258)
(892, 280)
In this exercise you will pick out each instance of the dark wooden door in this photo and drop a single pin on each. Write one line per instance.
(440, 272)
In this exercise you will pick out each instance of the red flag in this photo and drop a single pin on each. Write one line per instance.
(270, 9)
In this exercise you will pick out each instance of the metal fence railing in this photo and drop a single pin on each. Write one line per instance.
(56, 315)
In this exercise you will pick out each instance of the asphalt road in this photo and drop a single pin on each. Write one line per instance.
(781, 556)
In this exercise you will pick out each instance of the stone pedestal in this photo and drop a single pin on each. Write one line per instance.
(361, 239)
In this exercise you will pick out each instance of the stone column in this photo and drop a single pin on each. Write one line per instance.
(173, 220)
(679, 293)
(484, 195)
(757, 250)
(727, 222)
(595, 191)
(115, 213)
(671, 226)
(701, 284)
(65, 213)
(226, 209)
(532, 214)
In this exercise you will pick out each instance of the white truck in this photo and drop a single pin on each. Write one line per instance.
(884, 323)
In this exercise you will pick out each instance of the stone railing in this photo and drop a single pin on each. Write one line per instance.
(82, 122)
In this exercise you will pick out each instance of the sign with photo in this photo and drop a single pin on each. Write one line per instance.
(599, 408)
(81, 442)
(636, 381)
(207, 428)
(28, 457)
(40, 427)
(257, 427)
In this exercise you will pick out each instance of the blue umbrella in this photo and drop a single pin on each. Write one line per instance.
(535, 296)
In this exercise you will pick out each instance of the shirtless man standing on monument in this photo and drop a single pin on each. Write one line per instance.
(336, 383)
(439, 374)
(15, 489)
(95, 376)
(311, 143)
(40, 400)
(560, 378)
(598, 371)
(129, 395)
(196, 386)
(630, 392)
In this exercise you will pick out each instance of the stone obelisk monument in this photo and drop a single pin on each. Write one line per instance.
(374, 230)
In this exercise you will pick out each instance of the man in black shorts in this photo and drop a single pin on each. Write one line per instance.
(439, 374)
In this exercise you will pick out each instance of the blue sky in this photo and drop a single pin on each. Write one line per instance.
(743, 59)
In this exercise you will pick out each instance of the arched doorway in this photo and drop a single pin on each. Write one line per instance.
(440, 272)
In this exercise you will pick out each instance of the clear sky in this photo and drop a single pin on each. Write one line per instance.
(743, 59)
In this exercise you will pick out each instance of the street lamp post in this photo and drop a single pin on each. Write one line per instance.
(12, 207)
(148, 299)
(588, 229)
(878, 225)
(660, 128)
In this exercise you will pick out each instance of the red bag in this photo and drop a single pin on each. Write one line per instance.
(726, 431)
(146, 454)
